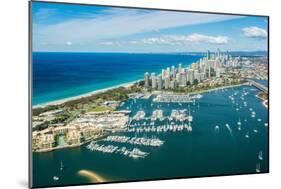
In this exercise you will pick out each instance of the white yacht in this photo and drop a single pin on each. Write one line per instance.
(61, 166)
(217, 127)
(239, 122)
(239, 127)
(55, 178)
(260, 156)
(258, 168)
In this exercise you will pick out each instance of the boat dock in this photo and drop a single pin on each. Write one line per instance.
(157, 114)
(140, 115)
(177, 98)
(161, 128)
(154, 142)
(134, 153)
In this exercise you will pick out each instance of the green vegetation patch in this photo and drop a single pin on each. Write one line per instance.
(100, 109)
(263, 95)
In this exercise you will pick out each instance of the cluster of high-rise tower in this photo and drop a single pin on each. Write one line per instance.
(212, 65)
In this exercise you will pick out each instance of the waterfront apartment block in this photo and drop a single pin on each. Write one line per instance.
(213, 65)
(81, 130)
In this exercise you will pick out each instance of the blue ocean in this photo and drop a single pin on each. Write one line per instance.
(206, 151)
(62, 75)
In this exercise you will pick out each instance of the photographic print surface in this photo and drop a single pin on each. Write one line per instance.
(126, 94)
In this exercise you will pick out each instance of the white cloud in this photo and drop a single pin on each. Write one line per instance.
(255, 32)
(118, 24)
(183, 39)
(69, 43)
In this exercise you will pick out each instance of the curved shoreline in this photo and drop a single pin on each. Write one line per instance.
(92, 176)
(264, 101)
(126, 85)
(58, 102)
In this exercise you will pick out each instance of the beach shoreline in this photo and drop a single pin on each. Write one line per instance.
(92, 176)
(125, 85)
(61, 101)
(264, 101)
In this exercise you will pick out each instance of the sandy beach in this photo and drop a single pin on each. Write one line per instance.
(58, 102)
(92, 176)
(126, 85)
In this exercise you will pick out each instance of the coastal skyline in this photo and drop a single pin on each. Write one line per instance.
(128, 94)
(155, 121)
(57, 29)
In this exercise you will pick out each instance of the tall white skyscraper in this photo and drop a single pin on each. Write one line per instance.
(173, 70)
(159, 82)
(191, 76)
(153, 81)
(197, 75)
(146, 79)
(180, 68)
(167, 82)
(182, 79)
(163, 73)
(167, 74)
(177, 77)
(173, 84)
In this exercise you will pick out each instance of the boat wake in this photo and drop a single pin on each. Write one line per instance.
(229, 129)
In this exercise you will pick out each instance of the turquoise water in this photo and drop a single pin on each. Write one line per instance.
(58, 76)
(202, 152)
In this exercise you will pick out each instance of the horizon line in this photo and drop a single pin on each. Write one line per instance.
(161, 52)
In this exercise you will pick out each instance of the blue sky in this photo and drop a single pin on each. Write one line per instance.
(76, 28)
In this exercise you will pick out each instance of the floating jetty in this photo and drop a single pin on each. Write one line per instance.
(134, 153)
(179, 98)
(162, 128)
(155, 142)
(140, 115)
(178, 115)
(157, 114)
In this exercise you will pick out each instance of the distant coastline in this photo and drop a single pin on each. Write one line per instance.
(58, 102)
(58, 76)
(125, 85)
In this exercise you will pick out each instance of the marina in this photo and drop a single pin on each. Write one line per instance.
(134, 153)
(124, 94)
(155, 142)
(140, 115)
(157, 114)
(151, 139)
(180, 98)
